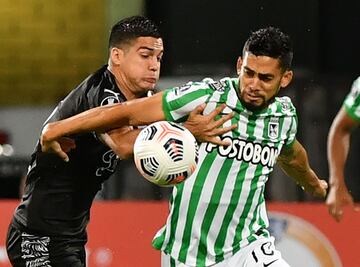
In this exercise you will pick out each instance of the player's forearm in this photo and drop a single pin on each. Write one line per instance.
(300, 171)
(102, 119)
(295, 164)
(338, 149)
(98, 119)
(121, 141)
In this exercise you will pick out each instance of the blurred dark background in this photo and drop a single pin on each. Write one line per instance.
(211, 33)
(48, 52)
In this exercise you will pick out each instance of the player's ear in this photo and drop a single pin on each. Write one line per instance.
(116, 55)
(286, 78)
(238, 65)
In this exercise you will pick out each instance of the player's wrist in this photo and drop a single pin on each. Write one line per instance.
(338, 184)
(48, 134)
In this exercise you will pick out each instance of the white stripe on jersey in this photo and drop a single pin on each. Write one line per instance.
(186, 109)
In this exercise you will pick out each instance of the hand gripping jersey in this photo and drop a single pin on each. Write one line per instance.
(352, 101)
(58, 194)
(221, 207)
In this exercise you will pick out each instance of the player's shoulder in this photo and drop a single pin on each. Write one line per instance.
(94, 81)
(100, 89)
(98, 75)
(207, 86)
(355, 88)
(285, 105)
(219, 85)
(357, 82)
(191, 86)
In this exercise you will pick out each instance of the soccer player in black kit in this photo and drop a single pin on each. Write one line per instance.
(49, 225)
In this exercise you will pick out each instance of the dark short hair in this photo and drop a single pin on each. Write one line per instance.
(128, 29)
(271, 42)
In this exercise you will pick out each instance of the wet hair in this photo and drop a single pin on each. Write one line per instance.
(128, 29)
(271, 42)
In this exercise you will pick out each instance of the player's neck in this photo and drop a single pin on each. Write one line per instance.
(122, 84)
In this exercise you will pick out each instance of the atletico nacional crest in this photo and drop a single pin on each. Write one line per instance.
(273, 130)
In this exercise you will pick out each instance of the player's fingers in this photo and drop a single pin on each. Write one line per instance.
(353, 205)
(47, 147)
(58, 151)
(68, 143)
(73, 145)
(68, 148)
(217, 141)
(217, 111)
(69, 140)
(332, 212)
(220, 131)
(337, 217)
(324, 184)
(336, 212)
(62, 155)
(198, 110)
(223, 119)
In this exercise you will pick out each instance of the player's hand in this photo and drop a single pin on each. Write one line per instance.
(206, 128)
(60, 147)
(317, 189)
(338, 198)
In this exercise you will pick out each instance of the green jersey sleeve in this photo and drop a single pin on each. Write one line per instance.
(178, 102)
(287, 108)
(292, 133)
(352, 101)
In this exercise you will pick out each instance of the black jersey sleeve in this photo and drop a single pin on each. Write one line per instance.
(97, 90)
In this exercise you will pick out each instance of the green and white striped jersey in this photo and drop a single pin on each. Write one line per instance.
(352, 101)
(221, 207)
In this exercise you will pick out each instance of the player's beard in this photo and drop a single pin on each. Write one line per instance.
(253, 107)
(264, 105)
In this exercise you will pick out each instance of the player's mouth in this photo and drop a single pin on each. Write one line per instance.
(151, 80)
(253, 97)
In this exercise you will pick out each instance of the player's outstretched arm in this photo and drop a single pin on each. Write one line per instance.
(102, 119)
(206, 128)
(337, 152)
(294, 161)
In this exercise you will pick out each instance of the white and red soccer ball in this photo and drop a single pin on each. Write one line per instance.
(165, 153)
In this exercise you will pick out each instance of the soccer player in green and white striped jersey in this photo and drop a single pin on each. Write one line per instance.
(347, 119)
(220, 210)
(218, 215)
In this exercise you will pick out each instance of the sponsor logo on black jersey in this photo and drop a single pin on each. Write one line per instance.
(109, 160)
(112, 98)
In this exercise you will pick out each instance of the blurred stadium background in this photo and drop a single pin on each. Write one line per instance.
(48, 47)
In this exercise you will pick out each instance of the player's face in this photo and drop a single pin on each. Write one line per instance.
(137, 66)
(260, 79)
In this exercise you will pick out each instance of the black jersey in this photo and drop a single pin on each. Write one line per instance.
(58, 195)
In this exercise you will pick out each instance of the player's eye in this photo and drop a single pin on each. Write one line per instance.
(249, 73)
(265, 78)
